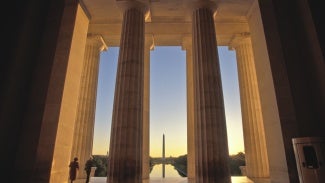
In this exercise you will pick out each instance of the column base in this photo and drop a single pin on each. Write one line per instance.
(191, 180)
(145, 180)
(260, 180)
(79, 181)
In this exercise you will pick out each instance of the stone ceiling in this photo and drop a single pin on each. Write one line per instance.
(169, 21)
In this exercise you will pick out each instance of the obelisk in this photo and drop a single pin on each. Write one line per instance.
(163, 157)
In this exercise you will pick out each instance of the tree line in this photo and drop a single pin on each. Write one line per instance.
(179, 163)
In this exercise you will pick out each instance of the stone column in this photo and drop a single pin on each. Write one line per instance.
(257, 164)
(37, 110)
(187, 45)
(85, 117)
(211, 144)
(125, 153)
(149, 45)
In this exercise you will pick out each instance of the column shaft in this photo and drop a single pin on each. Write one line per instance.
(146, 109)
(254, 137)
(210, 124)
(85, 117)
(187, 45)
(125, 153)
(68, 103)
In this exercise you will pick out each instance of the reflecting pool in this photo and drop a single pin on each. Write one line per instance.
(169, 171)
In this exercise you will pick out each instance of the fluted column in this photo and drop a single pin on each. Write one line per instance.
(211, 145)
(85, 117)
(125, 152)
(149, 45)
(257, 165)
(187, 45)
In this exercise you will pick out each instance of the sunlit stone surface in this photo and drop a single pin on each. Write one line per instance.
(171, 177)
(41, 80)
(239, 179)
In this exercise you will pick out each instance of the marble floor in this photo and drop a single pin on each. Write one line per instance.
(237, 179)
(173, 177)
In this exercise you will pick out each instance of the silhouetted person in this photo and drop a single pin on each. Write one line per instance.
(74, 167)
(88, 165)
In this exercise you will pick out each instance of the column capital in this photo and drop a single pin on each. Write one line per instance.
(97, 40)
(193, 5)
(149, 41)
(198, 4)
(187, 42)
(142, 5)
(238, 39)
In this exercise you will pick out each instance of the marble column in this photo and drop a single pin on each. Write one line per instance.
(149, 45)
(211, 144)
(85, 117)
(257, 164)
(187, 45)
(126, 142)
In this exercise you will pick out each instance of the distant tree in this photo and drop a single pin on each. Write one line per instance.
(235, 161)
(100, 162)
(151, 165)
(180, 164)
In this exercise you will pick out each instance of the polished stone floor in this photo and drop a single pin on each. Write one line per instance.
(238, 179)
(173, 177)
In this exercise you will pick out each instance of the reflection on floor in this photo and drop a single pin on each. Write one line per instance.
(172, 176)
(237, 179)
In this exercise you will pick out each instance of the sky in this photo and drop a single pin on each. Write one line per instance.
(167, 100)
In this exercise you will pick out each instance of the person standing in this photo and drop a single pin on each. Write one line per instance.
(88, 165)
(74, 167)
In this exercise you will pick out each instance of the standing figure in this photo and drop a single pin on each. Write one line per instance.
(74, 167)
(88, 166)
